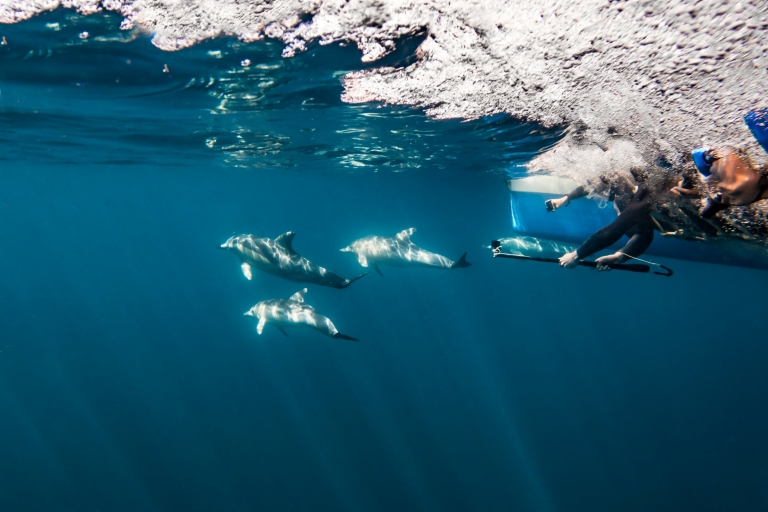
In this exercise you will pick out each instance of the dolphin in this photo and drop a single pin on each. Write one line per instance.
(293, 312)
(277, 257)
(399, 251)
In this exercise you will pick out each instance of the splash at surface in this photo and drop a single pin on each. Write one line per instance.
(667, 75)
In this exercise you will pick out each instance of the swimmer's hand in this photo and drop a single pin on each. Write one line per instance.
(680, 190)
(604, 262)
(556, 204)
(569, 260)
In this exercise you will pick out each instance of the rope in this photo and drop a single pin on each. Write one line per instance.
(669, 270)
(638, 259)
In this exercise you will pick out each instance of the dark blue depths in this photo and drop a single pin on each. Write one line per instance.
(129, 379)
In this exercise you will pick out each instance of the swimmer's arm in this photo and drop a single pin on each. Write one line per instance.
(684, 188)
(633, 214)
(640, 241)
(637, 245)
(605, 262)
(603, 238)
(606, 237)
(576, 193)
(680, 192)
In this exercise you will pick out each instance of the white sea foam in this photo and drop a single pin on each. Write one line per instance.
(664, 76)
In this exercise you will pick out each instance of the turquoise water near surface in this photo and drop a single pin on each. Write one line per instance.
(130, 379)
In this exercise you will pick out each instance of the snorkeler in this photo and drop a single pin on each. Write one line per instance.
(729, 173)
(634, 206)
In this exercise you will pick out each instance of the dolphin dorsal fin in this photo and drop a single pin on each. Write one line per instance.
(405, 235)
(286, 240)
(299, 296)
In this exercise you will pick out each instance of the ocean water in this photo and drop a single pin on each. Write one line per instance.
(130, 379)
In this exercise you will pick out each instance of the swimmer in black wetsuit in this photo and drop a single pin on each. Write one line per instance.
(634, 220)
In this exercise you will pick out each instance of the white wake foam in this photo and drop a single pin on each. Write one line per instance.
(667, 76)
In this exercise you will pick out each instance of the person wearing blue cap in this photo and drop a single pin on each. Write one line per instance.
(733, 177)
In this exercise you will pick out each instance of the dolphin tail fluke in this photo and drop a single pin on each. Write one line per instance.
(340, 336)
(462, 263)
(348, 282)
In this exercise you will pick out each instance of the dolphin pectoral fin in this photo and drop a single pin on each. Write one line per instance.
(377, 269)
(405, 235)
(339, 336)
(286, 240)
(362, 260)
(246, 270)
(283, 331)
(299, 296)
(260, 327)
(462, 263)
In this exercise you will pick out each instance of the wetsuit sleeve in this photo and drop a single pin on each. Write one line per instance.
(640, 241)
(576, 193)
(637, 211)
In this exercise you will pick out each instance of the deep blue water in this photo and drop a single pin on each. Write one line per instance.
(130, 379)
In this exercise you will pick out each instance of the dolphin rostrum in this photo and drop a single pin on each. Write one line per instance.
(399, 251)
(293, 312)
(277, 257)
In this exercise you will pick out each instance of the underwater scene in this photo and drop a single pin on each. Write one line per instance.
(378, 256)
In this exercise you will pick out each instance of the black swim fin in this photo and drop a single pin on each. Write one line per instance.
(283, 331)
(377, 269)
(340, 336)
(462, 263)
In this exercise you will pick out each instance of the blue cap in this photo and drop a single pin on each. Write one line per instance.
(757, 120)
(702, 160)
